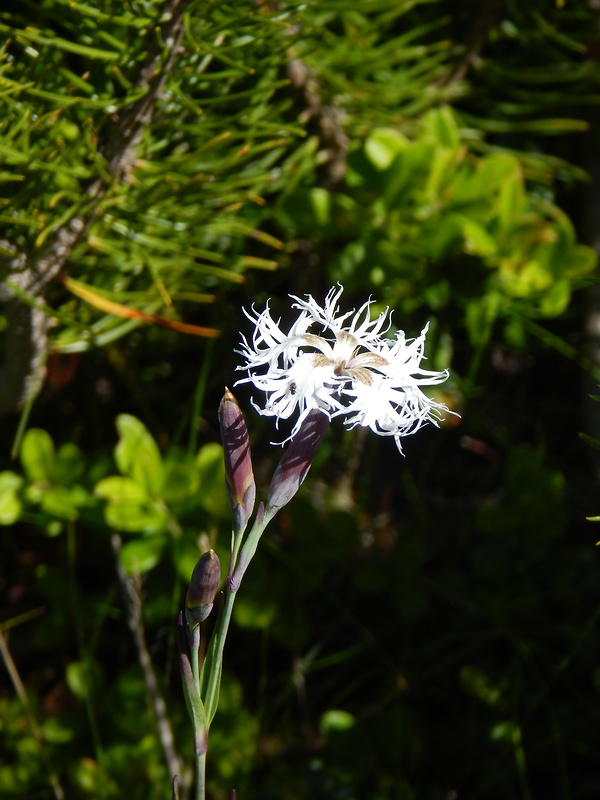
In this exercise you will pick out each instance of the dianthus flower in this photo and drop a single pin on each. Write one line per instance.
(342, 365)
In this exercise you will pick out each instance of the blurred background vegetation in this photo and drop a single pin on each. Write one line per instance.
(421, 627)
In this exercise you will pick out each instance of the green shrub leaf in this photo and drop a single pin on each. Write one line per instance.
(142, 555)
(137, 454)
(10, 504)
(38, 455)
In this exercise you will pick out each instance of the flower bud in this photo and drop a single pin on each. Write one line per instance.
(241, 488)
(203, 587)
(296, 461)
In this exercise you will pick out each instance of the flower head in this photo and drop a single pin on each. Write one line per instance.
(341, 365)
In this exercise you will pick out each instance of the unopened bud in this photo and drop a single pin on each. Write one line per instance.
(241, 488)
(296, 461)
(203, 587)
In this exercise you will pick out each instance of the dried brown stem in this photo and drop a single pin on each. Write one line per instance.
(133, 603)
(17, 683)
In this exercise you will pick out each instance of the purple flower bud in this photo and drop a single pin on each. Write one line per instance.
(203, 587)
(241, 488)
(296, 461)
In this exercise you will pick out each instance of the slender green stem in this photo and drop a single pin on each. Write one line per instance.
(211, 698)
(199, 395)
(236, 543)
(194, 631)
(248, 549)
(241, 554)
(195, 653)
(23, 419)
(201, 777)
(84, 652)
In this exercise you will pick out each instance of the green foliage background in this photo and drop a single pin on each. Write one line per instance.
(419, 627)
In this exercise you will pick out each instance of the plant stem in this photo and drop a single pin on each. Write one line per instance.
(33, 723)
(248, 549)
(194, 634)
(194, 653)
(201, 777)
(240, 558)
(241, 554)
(133, 604)
(211, 698)
(199, 395)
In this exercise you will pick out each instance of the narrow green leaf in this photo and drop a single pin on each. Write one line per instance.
(212, 703)
(127, 19)
(548, 126)
(194, 705)
(31, 35)
(208, 668)
(591, 440)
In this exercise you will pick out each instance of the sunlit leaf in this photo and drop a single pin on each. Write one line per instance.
(181, 480)
(336, 720)
(137, 454)
(82, 677)
(38, 455)
(383, 145)
(70, 463)
(141, 555)
(121, 490)
(10, 504)
(58, 502)
(134, 518)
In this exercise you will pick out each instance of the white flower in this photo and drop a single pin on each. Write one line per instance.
(342, 365)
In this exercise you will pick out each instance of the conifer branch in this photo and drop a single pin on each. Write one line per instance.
(23, 371)
(327, 118)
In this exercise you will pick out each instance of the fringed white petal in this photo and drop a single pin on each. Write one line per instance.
(342, 365)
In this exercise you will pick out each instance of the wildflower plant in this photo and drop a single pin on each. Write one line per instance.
(347, 368)
(328, 364)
